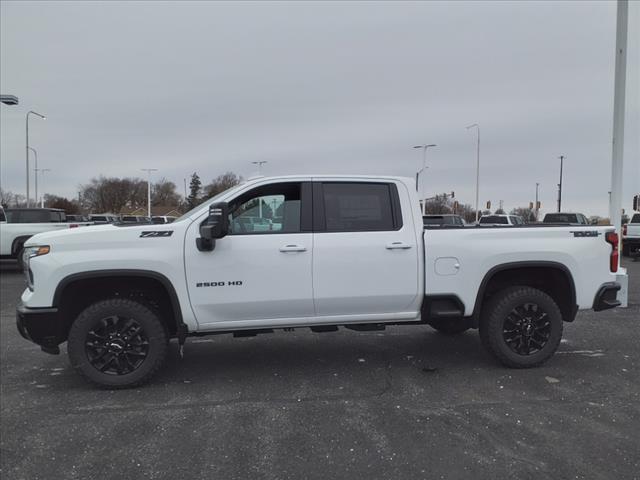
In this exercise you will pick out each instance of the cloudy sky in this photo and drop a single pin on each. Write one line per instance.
(322, 87)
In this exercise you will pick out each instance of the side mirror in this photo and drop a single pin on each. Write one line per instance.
(216, 226)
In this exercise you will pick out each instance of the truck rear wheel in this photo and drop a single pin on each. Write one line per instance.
(521, 326)
(117, 343)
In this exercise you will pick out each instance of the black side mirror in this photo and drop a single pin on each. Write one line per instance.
(216, 226)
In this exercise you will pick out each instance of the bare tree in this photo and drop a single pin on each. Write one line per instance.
(163, 193)
(526, 213)
(221, 183)
(113, 194)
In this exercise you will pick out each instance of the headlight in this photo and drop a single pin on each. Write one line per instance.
(27, 255)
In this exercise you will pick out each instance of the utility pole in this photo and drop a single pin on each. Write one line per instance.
(477, 170)
(149, 170)
(617, 153)
(35, 177)
(537, 208)
(560, 185)
(43, 170)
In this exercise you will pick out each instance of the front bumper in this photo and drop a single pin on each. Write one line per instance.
(607, 297)
(41, 326)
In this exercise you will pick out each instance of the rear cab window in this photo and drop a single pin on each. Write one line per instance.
(356, 207)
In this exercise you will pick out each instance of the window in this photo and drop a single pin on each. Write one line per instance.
(494, 220)
(3, 218)
(268, 209)
(635, 218)
(360, 207)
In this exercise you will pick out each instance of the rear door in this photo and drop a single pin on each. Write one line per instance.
(365, 250)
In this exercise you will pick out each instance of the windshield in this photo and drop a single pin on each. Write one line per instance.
(635, 218)
(494, 219)
(560, 218)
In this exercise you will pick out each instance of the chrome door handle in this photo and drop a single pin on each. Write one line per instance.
(293, 248)
(397, 246)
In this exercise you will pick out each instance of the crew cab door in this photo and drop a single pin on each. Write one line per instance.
(262, 268)
(365, 254)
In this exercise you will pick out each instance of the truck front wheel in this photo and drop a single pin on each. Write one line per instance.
(117, 343)
(521, 326)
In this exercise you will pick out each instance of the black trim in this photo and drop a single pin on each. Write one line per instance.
(319, 220)
(19, 241)
(606, 297)
(442, 306)
(41, 326)
(181, 327)
(306, 207)
(527, 264)
(396, 211)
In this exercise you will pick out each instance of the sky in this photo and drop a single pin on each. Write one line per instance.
(329, 87)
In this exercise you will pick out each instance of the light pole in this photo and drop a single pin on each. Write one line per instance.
(30, 112)
(561, 157)
(424, 167)
(42, 196)
(35, 177)
(477, 168)
(537, 209)
(149, 170)
(259, 164)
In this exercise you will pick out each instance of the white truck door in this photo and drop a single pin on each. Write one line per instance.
(262, 268)
(365, 254)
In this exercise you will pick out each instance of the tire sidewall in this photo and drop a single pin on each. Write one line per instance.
(153, 329)
(509, 299)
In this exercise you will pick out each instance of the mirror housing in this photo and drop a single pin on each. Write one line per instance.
(215, 226)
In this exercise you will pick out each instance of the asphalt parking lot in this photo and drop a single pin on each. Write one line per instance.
(402, 404)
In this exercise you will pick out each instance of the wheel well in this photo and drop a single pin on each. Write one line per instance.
(18, 243)
(553, 280)
(78, 294)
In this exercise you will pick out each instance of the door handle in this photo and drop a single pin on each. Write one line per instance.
(397, 246)
(293, 248)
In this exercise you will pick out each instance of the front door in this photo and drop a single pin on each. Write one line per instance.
(262, 268)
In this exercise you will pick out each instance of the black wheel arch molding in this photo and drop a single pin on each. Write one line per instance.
(181, 327)
(569, 313)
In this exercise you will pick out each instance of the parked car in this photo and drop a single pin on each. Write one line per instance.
(631, 237)
(103, 218)
(134, 219)
(77, 218)
(350, 251)
(433, 220)
(500, 219)
(566, 217)
(35, 215)
(160, 219)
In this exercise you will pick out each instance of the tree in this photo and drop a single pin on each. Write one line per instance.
(195, 188)
(526, 213)
(163, 193)
(221, 183)
(500, 211)
(113, 194)
(53, 201)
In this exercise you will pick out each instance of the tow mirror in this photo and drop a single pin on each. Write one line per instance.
(215, 226)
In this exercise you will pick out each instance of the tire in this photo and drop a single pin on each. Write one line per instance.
(521, 326)
(450, 327)
(117, 343)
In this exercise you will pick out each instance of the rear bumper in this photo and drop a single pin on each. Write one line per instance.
(607, 297)
(41, 326)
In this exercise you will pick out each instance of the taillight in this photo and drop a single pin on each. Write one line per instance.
(74, 225)
(624, 230)
(612, 238)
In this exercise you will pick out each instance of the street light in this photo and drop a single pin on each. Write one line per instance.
(477, 168)
(259, 164)
(424, 167)
(43, 170)
(9, 99)
(35, 169)
(149, 170)
(30, 112)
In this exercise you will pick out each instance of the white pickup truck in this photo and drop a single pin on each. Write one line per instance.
(14, 233)
(345, 251)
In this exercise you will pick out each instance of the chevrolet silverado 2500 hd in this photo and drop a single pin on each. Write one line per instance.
(306, 251)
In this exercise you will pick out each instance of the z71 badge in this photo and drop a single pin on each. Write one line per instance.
(157, 233)
(586, 233)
